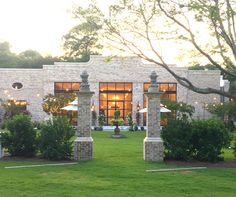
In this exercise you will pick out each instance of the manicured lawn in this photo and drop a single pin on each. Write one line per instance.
(118, 169)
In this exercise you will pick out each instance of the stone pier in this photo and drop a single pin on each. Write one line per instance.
(84, 142)
(153, 144)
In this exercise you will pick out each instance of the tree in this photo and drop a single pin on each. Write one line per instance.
(7, 58)
(53, 103)
(26, 59)
(140, 26)
(29, 59)
(33, 59)
(82, 40)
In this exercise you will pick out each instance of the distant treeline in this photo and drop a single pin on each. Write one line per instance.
(27, 59)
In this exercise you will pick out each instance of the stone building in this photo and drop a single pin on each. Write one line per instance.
(118, 83)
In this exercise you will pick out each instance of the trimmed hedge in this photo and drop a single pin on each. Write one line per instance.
(202, 140)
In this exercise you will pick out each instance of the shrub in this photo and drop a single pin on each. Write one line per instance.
(225, 111)
(55, 140)
(101, 121)
(21, 138)
(120, 122)
(177, 136)
(130, 121)
(200, 139)
(117, 119)
(209, 137)
(179, 110)
(135, 127)
(117, 114)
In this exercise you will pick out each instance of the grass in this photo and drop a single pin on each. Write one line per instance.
(117, 170)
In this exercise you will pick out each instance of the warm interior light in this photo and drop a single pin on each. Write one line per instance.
(115, 98)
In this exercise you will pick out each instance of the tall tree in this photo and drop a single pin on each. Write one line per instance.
(82, 40)
(140, 26)
(7, 58)
(29, 59)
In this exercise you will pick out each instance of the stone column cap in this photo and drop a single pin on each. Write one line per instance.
(84, 139)
(153, 93)
(153, 139)
(84, 93)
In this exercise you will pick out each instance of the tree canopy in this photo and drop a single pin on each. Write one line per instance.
(82, 40)
(207, 26)
(26, 59)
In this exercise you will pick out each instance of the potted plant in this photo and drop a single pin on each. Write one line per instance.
(116, 121)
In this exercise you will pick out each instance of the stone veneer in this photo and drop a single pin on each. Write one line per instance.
(153, 149)
(39, 82)
(153, 144)
(83, 149)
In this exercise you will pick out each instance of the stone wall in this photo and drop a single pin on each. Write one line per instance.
(32, 90)
(39, 82)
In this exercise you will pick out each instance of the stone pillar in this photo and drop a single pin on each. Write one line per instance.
(84, 142)
(153, 144)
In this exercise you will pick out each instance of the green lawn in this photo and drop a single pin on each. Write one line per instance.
(117, 169)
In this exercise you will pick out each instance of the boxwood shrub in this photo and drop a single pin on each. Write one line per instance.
(201, 140)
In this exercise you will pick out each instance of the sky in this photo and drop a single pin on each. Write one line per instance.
(38, 24)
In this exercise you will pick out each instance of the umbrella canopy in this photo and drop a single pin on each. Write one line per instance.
(74, 102)
(70, 108)
(163, 110)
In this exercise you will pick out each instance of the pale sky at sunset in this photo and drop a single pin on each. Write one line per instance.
(37, 24)
(40, 24)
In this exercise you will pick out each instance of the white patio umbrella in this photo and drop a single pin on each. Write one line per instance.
(74, 102)
(70, 108)
(163, 110)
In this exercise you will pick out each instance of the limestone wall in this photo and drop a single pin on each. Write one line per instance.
(32, 90)
(40, 82)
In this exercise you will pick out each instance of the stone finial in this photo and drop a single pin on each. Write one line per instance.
(153, 85)
(84, 87)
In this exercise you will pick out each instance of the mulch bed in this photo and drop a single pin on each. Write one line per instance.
(223, 164)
